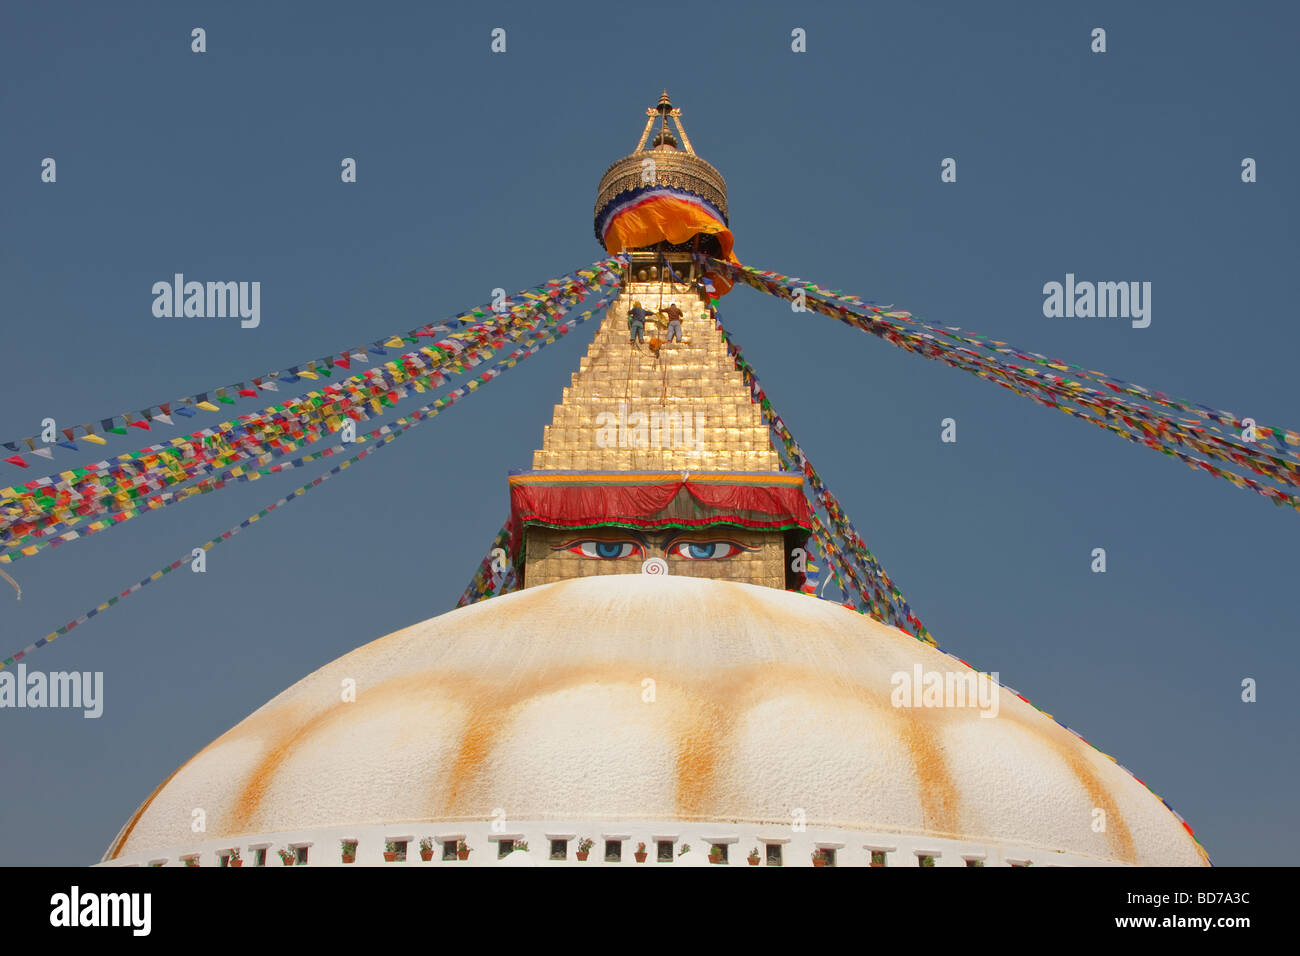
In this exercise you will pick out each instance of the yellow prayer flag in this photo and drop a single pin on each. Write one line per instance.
(207, 407)
(96, 439)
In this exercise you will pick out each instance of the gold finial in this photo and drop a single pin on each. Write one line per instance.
(665, 138)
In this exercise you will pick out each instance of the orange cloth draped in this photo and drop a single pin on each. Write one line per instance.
(665, 218)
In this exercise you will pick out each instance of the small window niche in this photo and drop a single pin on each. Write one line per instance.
(718, 853)
(505, 848)
(774, 854)
(924, 859)
(974, 860)
(879, 858)
(559, 849)
(613, 851)
(259, 856)
(449, 849)
(663, 851)
(300, 854)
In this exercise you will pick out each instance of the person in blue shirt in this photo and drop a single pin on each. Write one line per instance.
(636, 317)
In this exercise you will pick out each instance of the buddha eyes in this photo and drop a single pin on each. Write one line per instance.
(605, 550)
(705, 550)
(690, 550)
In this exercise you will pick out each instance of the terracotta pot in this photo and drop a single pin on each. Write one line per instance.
(426, 855)
(352, 857)
(582, 854)
(288, 861)
(753, 860)
(236, 863)
(819, 862)
(877, 864)
(640, 857)
(714, 859)
(390, 857)
(462, 854)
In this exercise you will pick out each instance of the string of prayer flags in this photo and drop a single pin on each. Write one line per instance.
(384, 436)
(496, 573)
(162, 411)
(1139, 414)
(854, 568)
(46, 507)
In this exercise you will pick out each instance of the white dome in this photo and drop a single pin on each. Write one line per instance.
(517, 858)
(631, 697)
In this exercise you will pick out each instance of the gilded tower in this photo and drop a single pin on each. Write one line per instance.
(656, 458)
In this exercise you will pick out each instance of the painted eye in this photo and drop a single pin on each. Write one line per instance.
(706, 550)
(605, 550)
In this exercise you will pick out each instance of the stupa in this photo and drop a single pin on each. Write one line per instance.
(657, 689)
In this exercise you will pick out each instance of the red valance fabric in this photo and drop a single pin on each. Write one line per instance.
(586, 503)
(594, 503)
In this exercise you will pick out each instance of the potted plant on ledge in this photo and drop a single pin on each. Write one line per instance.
(715, 854)
(286, 856)
(819, 858)
(462, 850)
(640, 853)
(234, 858)
(349, 848)
(426, 848)
(390, 852)
(753, 857)
(584, 847)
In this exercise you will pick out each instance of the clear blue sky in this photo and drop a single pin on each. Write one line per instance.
(479, 170)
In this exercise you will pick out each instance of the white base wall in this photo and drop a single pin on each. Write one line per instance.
(852, 847)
